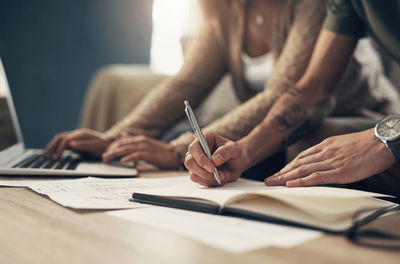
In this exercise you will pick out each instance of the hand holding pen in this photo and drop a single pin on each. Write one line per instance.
(230, 158)
(199, 134)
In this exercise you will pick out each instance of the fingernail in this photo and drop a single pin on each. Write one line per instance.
(271, 181)
(217, 158)
(208, 168)
(290, 183)
(221, 176)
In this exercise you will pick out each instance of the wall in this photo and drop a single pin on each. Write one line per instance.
(51, 48)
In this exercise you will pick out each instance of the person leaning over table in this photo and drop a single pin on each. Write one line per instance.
(235, 37)
(337, 160)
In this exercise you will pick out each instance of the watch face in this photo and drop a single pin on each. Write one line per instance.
(388, 128)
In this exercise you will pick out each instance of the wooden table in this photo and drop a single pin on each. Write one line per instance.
(33, 229)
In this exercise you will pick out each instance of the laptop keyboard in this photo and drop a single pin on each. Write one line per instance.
(37, 161)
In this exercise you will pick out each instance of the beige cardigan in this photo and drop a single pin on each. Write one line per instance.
(216, 50)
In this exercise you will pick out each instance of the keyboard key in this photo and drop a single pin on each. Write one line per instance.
(73, 164)
(39, 162)
(62, 163)
(27, 161)
(49, 164)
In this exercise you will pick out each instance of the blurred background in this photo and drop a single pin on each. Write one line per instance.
(52, 48)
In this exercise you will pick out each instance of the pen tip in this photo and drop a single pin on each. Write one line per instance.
(186, 103)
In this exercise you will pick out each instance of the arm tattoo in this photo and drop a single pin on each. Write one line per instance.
(309, 125)
(291, 117)
(293, 91)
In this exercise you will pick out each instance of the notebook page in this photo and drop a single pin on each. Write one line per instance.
(239, 189)
(302, 214)
(332, 208)
(218, 195)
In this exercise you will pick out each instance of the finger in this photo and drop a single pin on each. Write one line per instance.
(52, 146)
(115, 144)
(123, 140)
(210, 182)
(198, 155)
(84, 145)
(197, 179)
(144, 155)
(225, 153)
(126, 140)
(316, 178)
(310, 151)
(299, 172)
(225, 176)
(122, 151)
(80, 134)
(214, 140)
(298, 162)
(61, 147)
(193, 167)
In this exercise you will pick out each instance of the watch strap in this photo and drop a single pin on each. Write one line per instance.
(395, 148)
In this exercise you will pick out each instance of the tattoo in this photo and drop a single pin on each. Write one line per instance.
(291, 117)
(309, 125)
(293, 91)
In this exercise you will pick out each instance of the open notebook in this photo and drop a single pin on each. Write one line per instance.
(324, 208)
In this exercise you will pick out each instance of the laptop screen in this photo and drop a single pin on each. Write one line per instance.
(8, 131)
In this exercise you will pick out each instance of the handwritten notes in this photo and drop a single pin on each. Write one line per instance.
(93, 193)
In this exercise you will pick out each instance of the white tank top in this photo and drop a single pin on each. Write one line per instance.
(257, 70)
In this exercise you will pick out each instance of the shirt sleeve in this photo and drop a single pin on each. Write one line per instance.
(342, 18)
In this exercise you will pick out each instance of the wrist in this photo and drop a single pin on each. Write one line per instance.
(109, 139)
(178, 157)
(387, 130)
(384, 151)
(260, 144)
(245, 144)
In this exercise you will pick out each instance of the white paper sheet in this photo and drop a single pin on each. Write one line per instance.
(94, 193)
(227, 233)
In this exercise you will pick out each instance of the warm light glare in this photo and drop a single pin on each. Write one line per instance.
(168, 26)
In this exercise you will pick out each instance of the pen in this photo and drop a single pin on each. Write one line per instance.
(196, 129)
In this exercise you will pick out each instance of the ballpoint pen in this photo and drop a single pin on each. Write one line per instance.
(197, 130)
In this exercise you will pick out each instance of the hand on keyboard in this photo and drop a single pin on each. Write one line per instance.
(80, 140)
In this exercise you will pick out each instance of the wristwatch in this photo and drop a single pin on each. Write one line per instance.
(388, 131)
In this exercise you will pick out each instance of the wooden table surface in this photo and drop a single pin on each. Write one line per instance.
(34, 229)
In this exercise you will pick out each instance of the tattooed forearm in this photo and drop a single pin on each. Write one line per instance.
(293, 91)
(309, 125)
(291, 117)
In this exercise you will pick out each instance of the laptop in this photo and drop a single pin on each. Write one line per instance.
(15, 159)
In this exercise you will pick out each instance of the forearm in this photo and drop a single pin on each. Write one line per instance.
(204, 66)
(299, 111)
(243, 119)
(149, 116)
(295, 114)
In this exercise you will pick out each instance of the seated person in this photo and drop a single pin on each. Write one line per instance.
(239, 37)
(337, 160)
